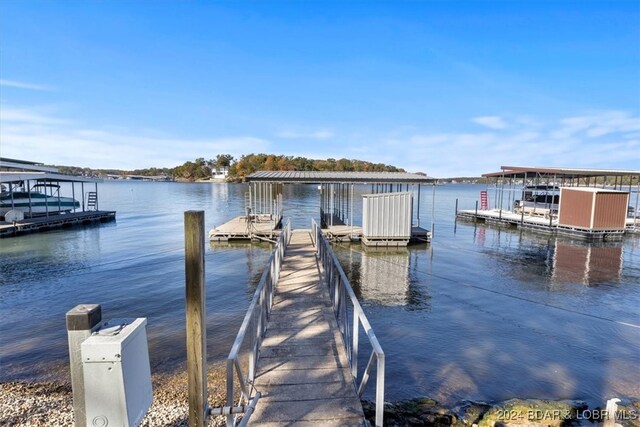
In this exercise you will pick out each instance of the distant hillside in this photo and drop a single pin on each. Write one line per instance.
(238, 169)
(254, 162)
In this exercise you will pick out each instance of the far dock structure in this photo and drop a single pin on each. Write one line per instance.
(32, 201)
(593, 204)
(390, 210)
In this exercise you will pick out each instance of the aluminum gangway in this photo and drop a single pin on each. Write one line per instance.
(295, 358)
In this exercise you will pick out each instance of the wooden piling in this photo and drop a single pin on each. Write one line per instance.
(196, 317)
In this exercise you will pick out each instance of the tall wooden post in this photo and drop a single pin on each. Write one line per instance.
(196, 317)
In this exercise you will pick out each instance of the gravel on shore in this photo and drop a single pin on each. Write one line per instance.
(51, 403)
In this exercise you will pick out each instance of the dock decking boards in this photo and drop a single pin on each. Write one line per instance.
(303, 372)
(241, 228)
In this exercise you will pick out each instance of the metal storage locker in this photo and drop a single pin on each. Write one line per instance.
(117, 376)
(387, 216)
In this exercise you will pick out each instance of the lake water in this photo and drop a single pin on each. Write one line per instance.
(482, 313)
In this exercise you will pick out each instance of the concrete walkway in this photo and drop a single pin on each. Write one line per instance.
(303, 372)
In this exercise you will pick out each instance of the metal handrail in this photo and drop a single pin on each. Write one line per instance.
(341, 294)
(255, 324)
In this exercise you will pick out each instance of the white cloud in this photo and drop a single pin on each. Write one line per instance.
(492, 122)
(597, 125)
(602, 140)
(526, 141)
(24, 85)
(608, 139)
(27, 116)
(30, 135)
(319, 134)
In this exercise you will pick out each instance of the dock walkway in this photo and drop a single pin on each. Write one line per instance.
(303, 372)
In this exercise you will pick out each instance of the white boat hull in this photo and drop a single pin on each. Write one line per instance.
(38, 204)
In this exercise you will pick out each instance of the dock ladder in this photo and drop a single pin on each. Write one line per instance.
(92, 201)
(484, 200)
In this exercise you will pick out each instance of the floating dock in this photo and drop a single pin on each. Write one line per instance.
(390, 218)
(347, 233)
(32, 199)
(38, 224)
(591, 204)
(543, 225)
(266, 229)
(252, 227)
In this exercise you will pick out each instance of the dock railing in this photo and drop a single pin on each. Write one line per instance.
(350, 316)
(253, 329)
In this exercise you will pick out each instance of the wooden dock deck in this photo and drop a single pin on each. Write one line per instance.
(44, 223)
(346, 233)
(303, 372)
(247, 228)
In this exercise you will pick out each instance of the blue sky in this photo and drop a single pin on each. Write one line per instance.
(447, 88)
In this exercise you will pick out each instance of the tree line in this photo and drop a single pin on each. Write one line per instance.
(250, 163)
(202, 168)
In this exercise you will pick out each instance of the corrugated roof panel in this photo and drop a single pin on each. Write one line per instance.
(28, 176)
(520, 171)
(344, 177)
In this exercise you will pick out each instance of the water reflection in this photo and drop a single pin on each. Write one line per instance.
(586, 264)
(47, 255)
(529, 258)
(386, 276)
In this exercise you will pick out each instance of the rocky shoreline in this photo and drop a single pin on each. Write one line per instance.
(51, 404)
(510, 413)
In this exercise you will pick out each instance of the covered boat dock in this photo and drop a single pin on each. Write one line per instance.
(392, 206)
(598, 204)
(24, 210)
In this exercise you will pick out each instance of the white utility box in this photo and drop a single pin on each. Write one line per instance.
(117, 376)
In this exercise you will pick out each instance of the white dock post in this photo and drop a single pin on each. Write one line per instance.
(81, 321)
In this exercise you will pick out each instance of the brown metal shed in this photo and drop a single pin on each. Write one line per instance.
(593, 208)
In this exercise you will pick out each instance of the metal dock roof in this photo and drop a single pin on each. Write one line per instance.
(520, 171)
(313, 177)
(6, 176)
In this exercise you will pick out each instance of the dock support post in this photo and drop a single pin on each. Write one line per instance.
(433, 209)
(196, 317)
(380, 391)
(418, 213)
(97, 198)
(475, 218)
(81, 321)
(30, 202)
(456, 208)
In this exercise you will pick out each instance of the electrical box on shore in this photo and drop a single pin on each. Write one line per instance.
(117, 376)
